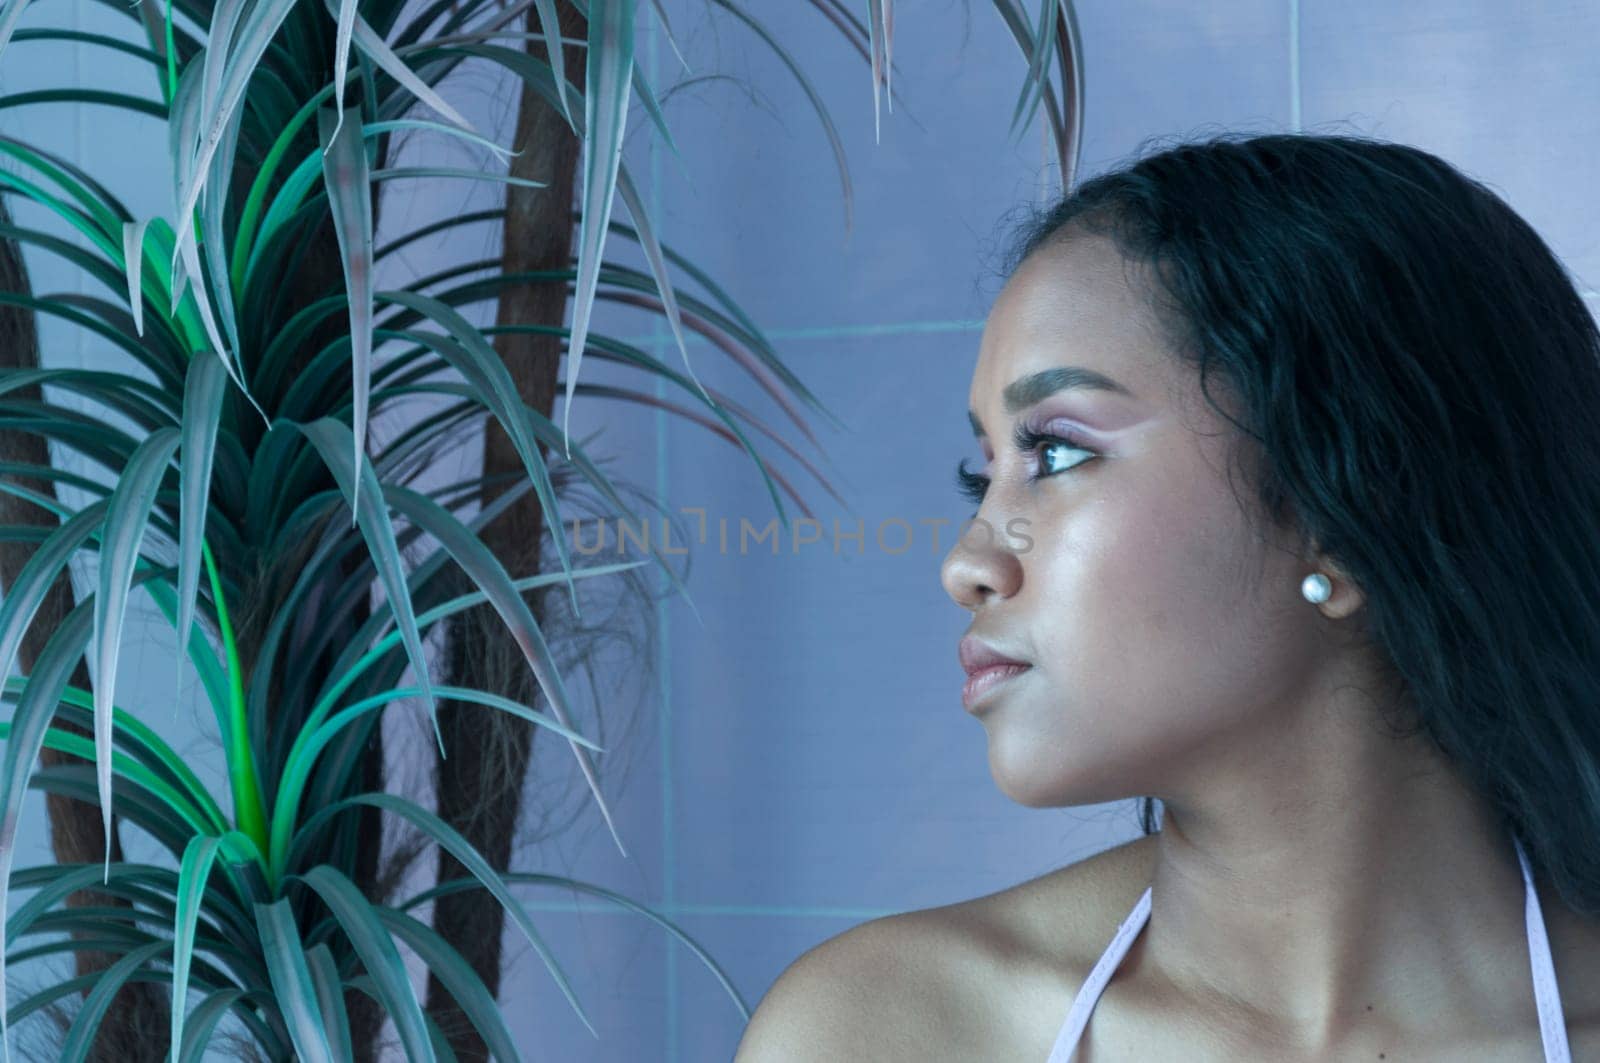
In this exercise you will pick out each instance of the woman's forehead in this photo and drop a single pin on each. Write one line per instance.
(1069, 305)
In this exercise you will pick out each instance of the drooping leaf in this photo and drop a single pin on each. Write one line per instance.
(609, 68)
(449, 839)
(380, 53)
(203, 392)
(291, 982)
(133, 257)
(8, 20)
(658, 269)
(203, 1022)
(458, 977)
(211, 221)
(318, 733)
(127, 517)
(331, 437)
(330, 997)
(834, 140)
(80, 1037)
(378, 954)
(193, 872)
(345, 17)
(487, 572)
(212, 116)
(344, 169)
(478, 362)
(1038, 77)
(28, 726)
(568, 883)
(20, 602)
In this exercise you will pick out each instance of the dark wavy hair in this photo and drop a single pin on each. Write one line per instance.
(1417, 382)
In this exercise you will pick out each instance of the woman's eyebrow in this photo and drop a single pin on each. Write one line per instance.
(1024, 392)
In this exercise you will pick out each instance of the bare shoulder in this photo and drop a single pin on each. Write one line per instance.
(989, 977)
(876, 991)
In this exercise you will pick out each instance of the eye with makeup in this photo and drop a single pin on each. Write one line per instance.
(972, 486)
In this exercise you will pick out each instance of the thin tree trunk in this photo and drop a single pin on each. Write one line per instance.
(480, 779)
(138, 1025)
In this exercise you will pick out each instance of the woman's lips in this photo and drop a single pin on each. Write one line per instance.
(984, 680)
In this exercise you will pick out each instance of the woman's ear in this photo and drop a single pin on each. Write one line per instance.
(1344, 596)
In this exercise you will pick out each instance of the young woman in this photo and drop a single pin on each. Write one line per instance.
(1290, 520)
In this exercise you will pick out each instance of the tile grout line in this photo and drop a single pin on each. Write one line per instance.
(663, 616)
(1295, 94)
(1294, 64)
(899, 328)
(826, 332)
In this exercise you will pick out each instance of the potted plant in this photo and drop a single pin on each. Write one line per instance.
(251, 505)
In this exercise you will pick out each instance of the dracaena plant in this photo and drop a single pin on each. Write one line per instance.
(247, 452)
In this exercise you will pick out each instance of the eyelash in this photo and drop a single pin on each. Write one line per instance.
(972, 486)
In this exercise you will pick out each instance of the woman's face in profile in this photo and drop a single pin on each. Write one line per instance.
(1165, 642)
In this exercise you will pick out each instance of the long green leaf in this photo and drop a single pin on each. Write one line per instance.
(609, 67)
(345, 18)
(458, 884)
(133, 256)
(313, 738)
(379, 955)
(348, 675)
(193, 872)
(291, 190)
(458, 977)
(8, 20)
(126, 519)
(203, 1023)
(490, 575)
(330, 998)
(142, 744)
(817, 105)
(658, 268)
(879, 36)
(330, 437)
(28, 726)
(253, 38)
(550, 26)
(477, 361)
(203, 391)
(374, 47)
(183, 124)
(647, 96)
(144, 887)
(190, 110)
(291, 982)
(97, 203)
(344, 170)
(21, 601)
(211, 221)
(457, 846)
(1037, 78)
(80, 1038)
(133, 803)
(125, 767)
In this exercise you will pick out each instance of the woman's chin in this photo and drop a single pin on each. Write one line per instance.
(1034, 782)
(1028, 787)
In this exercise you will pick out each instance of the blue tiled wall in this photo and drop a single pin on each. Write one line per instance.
(798, 762)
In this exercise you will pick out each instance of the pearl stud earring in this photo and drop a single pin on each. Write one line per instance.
(1316, 588)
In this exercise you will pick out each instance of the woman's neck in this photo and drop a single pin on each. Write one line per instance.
(1361, 880)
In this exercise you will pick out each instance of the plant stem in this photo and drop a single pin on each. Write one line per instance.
(249, 810)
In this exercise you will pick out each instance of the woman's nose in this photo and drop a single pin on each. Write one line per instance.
(979, 567)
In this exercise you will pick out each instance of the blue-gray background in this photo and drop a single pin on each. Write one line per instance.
(798, 761)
